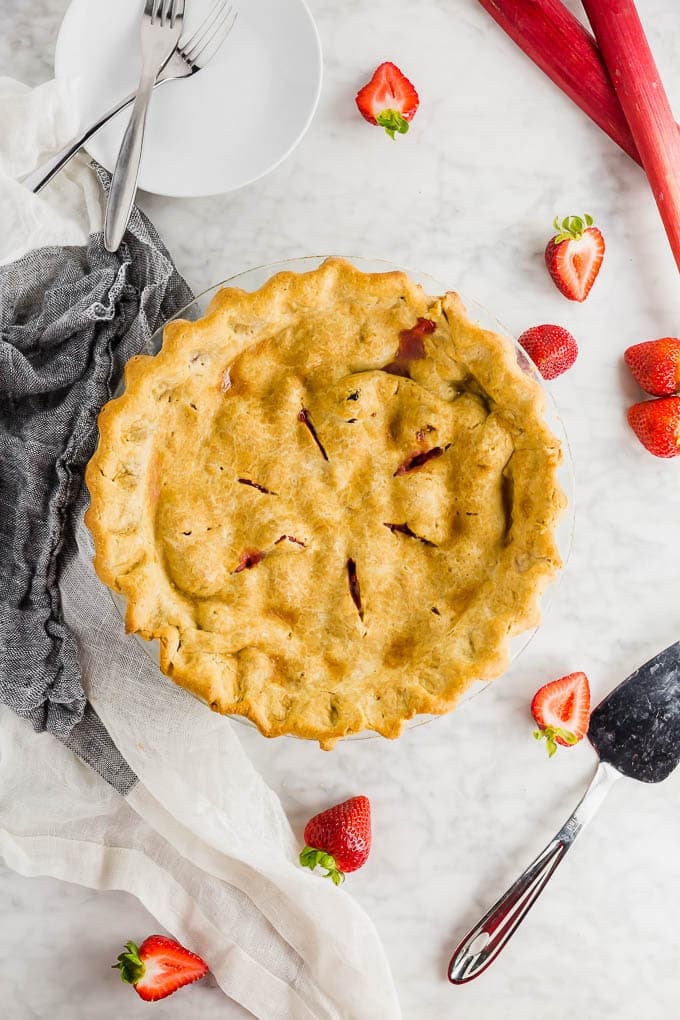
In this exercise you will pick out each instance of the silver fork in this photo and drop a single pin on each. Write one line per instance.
(160, 29)
(188, 58)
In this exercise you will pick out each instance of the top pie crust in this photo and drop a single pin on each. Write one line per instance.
(330, 520)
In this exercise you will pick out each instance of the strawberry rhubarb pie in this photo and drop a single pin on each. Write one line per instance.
(331, 501)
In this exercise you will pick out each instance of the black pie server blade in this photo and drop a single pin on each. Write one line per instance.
(636, 728)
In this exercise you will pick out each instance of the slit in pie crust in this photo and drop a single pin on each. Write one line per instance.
(332, 501)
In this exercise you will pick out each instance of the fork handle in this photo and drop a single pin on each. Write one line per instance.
(124, 181)
(484, 942)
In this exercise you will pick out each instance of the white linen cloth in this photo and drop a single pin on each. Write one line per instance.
(201, 840)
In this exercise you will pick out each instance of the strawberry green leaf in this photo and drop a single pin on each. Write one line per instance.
(566, 736)
(130, 965)
(392, 121)
(310, 857)
(571, 227)
(547, 735)
(550, 733)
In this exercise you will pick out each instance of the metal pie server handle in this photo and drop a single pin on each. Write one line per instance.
(484, 942)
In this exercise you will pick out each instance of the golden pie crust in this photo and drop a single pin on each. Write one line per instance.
(332, 501)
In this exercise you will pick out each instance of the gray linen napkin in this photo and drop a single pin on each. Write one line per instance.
(69, 320)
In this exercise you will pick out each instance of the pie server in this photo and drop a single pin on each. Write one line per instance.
(636, 733)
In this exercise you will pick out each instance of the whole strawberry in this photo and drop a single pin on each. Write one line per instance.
(551, 348)
(339, 839)
(574, 256)
(388, 99)
(159, 967)
(655, 365)
(656, 423)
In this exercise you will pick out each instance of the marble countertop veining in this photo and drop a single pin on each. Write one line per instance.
(460, 805)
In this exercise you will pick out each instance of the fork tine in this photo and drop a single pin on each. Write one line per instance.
(151, 10)
(176, 10)
(205, 26)
(219, 33)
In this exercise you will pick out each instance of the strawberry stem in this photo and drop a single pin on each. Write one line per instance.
(392, 121)
(310, 857)
(550, 734)
(130, 965)
(571, 227)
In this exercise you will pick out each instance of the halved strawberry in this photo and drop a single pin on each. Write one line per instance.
(159, 967)
(562, 711)
(574, 256)
(655, 365)
(389, 99)
(656, 423)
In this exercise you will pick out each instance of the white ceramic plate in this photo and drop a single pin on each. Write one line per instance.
(224, 127)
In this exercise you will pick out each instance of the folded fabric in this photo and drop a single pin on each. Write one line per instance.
(69, 320)
(168, 805)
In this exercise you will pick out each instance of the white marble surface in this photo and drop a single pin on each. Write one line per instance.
(460, 805)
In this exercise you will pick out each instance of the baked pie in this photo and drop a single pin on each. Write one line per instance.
(332, 501)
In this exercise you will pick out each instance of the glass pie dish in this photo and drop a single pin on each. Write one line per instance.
(253, 279)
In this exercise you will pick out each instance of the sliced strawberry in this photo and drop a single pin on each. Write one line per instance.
(655, 365)
(389, 99)
(249, 559)
(574, 256)
(551, 348)
(416, 460)
(656, 423)
(411, 347)
(159, 967)
(339, 839)
(411, 340)
(562, 711)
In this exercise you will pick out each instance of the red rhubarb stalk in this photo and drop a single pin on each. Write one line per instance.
(559, 44)
(632, 69)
